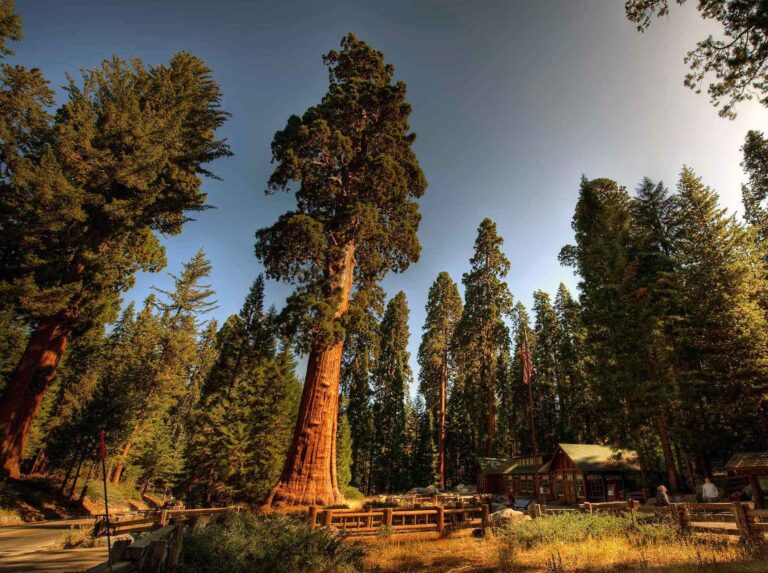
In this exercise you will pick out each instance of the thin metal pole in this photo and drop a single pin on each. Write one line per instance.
(102, 455)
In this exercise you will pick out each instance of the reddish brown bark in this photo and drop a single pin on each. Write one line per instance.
(121, 464)
(666, 448)
(309, 472)
(27, 386)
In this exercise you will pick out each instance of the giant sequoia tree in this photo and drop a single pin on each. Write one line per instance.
(83, 193)
(355, 220)
(436, 356)
(481, 335)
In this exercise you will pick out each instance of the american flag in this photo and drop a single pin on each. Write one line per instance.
(525, 354)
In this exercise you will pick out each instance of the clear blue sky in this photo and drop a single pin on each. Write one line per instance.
(512, 102)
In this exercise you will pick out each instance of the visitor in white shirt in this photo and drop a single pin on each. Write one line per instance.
(709, 491)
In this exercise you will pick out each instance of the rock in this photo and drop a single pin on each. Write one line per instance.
(496, 507)
(506, 516)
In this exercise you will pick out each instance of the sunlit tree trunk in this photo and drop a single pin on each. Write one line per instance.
(309, 473)
(27, 386)
(666, 448)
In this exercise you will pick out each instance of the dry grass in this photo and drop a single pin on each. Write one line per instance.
(470, 555)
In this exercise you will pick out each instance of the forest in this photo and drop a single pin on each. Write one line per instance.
(661, 350)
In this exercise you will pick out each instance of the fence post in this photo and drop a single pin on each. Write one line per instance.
(684, 516)
(674, 514)
(484, 516)
(163, 518)
(327, 517)
(741, 521)
(631, 507)
(312, 516)
(440, 520)
(388, 516)
(460, 515)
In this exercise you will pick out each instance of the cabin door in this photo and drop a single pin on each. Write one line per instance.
(570, 492)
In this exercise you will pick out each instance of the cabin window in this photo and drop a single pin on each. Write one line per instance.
(595, 487)
(559, 482)
(526, 486)
(544, 488)
(579, 486)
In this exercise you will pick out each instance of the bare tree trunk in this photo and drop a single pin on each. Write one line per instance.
(309, 473)
(77, 475)
(71, 467)
(27, 386)
(121, 464)
(87, 482)
(666, 448)
(441, 430)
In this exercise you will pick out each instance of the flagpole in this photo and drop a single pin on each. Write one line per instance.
(103, 456)
(530, 395)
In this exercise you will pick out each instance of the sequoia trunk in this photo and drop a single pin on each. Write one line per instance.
(27, 386)
(309, 474)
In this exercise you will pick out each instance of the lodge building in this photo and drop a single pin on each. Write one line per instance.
(573, 474)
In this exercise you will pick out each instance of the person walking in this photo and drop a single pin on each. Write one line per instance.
(709, 491)
(661, 496)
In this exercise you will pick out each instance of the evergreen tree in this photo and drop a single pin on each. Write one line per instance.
(356, 219)
(84, 193)
(546, 386)
(423, 456)
(481, 334)
(721, 333)
(393, 376)
(344, 453)
(359, 361)
(577, 402)
(518, 421)
(755, 192)
(437, 363)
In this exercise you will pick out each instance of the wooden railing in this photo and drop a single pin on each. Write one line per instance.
(396, 521)
(160, 550)
(738, 518)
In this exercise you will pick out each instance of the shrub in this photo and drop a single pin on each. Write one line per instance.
(352, 493)
(75, 537)
(268, 544)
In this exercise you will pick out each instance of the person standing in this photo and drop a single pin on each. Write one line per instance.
(709, 492)
(661, 496)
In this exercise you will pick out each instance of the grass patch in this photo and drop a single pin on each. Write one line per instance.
(75, 537)
(352, 493)
(9, 516)
(268, 544)
(117, 493)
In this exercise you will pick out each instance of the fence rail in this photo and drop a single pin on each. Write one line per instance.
(438, 519)
(738, 519)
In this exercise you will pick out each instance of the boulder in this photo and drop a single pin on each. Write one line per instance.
(506, 516)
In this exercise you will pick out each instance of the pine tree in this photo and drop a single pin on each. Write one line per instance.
(577, 402)
(393, 376)
(423, 456)
(356, 219)
(721, 333)
(344, 453)
(481, 334)
(755, 192)
(84, 193)
(436, 357)
(518, 420)
(546, 389)
(359, 361)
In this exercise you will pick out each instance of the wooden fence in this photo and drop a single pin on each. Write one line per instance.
(160, 550)
(396, 521)
(739, 518)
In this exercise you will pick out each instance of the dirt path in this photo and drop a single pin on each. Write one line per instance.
(28, 548)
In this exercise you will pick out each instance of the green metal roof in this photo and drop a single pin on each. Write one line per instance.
(493, 466)
(595, 458)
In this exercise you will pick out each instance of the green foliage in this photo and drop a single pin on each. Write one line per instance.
(737, 61)
(241, 425)
(352, 493)
(392, 378)
(481, 334)
(343, 453)
(358, 179)
(273, 544)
